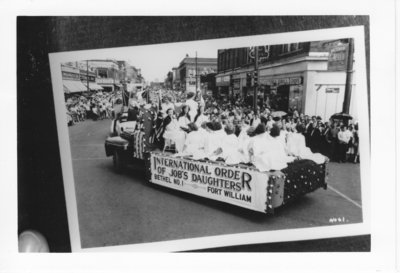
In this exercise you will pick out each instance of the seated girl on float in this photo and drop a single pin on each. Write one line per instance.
(214, 140)
(230, 147)
(184, 118)
(200, 118)
(172, 131)
(195, 143)
(296, 146)
(244, 139)
(267, 151)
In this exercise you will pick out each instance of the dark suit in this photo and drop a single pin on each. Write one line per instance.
(325, 142)
(332, 138)
(307, 134)
(315, 140)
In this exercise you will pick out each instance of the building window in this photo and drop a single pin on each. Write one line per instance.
(294, 47)
(226, 60)
(102, 73)
(289, 48)
(285, 48)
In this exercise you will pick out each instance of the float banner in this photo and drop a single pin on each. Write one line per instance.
(235, 185)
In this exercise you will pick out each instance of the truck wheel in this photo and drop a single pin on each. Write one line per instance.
(118, 161)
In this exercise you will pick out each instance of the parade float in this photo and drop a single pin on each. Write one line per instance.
(240, 184)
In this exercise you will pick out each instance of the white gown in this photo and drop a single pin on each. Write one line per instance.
(195, 144)
(202, 118)
(256, 121)
(230, 150)
(296, 145)
(183, 122)
(244, 141)
(174, 133)
(213, 142)
(283, 138)
(165, 107)
(268, 153)
(193, 106)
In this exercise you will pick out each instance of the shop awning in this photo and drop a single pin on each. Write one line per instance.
(73, 86)
(94, 86)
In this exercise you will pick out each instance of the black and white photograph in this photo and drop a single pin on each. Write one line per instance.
(207, 143)
(205, 136)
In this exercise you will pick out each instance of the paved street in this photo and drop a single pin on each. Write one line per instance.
(117, 209)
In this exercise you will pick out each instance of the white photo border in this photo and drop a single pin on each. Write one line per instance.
(355, 32)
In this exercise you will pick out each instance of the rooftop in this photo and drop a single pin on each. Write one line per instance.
(192, 60)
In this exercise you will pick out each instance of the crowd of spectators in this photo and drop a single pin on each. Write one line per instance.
(96, 106)
(178, 118)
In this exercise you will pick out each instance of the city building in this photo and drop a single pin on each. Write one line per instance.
(77, 78)
(187, 71)
(71, 79)
(129, 73)
(176, 82)
(105, 75)
(169, 80)
(157, 85)
(109, 74)
(130, 77)
(208, 84)
(309, 76)
(88, 77)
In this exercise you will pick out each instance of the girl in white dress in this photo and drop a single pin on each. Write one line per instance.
(194, 143)
(172, 131)
(200, 117)
(214, 141)
(166, 104)
(266, 151)
(184, 118)
(296, 146)
(230, 147)
(244, 140)
(258, 147)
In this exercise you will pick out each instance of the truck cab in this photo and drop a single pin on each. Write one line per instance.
(129, 140)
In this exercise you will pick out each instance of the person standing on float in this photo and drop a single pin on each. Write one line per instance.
(193, 105)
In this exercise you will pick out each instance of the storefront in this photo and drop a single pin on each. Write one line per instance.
(282, 93)
(89, 78)
(71, 80)
(224, 86)
(73, 86)
(236, 85)
(93, 86)
(106, 83)
(190, 85)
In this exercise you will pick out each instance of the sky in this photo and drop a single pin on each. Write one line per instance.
(155, 61)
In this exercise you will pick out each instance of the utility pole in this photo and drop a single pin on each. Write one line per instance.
(349, 78)
(254, 78)
(87, 75)
(113, 70)
(123, 87)
(196, 71)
